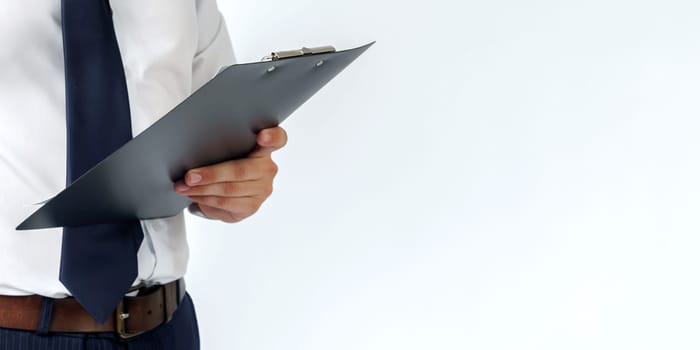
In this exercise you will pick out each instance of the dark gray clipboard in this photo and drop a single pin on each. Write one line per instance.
(216, 123)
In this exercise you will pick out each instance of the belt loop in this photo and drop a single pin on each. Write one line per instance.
(180, 290)
(46, 315)
(166, 304)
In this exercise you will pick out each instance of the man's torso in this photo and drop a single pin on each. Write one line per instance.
(159, 40)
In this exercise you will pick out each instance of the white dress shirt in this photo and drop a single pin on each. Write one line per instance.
(169, 49)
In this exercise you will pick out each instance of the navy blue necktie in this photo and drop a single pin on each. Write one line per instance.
(98, 262)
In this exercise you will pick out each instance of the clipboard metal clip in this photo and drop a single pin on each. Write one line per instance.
(304, 51)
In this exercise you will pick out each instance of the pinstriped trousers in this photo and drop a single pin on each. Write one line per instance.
(181, 333)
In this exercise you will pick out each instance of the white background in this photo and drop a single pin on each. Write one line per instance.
(490, 175)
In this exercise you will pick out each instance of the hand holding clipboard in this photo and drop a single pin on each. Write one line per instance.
(216, 123)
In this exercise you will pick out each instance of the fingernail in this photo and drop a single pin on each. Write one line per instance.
(181, 187)
(194, 178)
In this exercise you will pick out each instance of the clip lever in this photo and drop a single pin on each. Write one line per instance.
(275, 56)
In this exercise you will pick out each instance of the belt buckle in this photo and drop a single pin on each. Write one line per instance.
(120, 321)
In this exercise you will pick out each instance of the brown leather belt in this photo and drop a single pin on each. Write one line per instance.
(134, 315)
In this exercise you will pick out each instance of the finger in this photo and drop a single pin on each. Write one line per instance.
(232, 171)
(238, 207)
(228, 189)
(213, 213)
(270, 140)
(272, 137)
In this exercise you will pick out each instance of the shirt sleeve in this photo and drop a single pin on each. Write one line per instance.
(214, 49)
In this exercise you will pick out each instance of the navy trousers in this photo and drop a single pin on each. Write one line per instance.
(181, 333)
